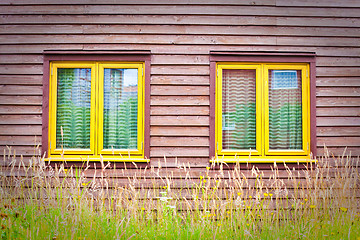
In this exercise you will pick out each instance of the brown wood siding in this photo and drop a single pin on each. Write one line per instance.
(180, 37)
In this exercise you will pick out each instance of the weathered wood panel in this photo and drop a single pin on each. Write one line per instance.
(179, 121)
(180, 10)
(181, 100)
(180, 36)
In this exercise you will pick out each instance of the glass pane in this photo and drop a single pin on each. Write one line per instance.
(285, 111)
(239, 109)
(73, 108)
(120, 108)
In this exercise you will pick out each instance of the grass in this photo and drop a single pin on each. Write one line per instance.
(39, 201)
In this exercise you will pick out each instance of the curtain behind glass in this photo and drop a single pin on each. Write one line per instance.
(120, 109)
(239, 109)
(73, 108)
(285, 111)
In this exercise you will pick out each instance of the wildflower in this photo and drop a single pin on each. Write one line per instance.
(312, 206)
(143, 209)
(272, 213)
(239, 193)
(228, 212)
(207, 168)
(305, 199)
(343, 209)
(219, 224)
(164, 187)
(292, 205)
(270, 194)
(250, 196)
(247, 224)
(266, 195)
(204, 181)
(302, 203)
(248, 207)
(201, 177)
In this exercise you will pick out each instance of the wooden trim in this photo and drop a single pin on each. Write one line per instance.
(261, 57)
(95, 52)
(212, 144)
(78, 55)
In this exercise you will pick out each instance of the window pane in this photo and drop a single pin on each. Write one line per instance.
(73, 108)
(239, 109)
(285, 111)
(120, 108)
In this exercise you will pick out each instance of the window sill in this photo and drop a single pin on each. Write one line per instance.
(268, 159)
(96, 159)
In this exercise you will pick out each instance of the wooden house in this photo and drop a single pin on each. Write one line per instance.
(190, 82)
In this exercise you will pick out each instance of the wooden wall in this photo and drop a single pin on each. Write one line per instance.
(180, 37)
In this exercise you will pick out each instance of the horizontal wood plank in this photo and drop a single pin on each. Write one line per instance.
(21, 90)
(338, 81)
(20, 140)
(21, 79)
(337, 102)
(179, 80)
(20, 119)
(179, 141)
(160, 48)
(179, 39)
(180, 10)
(338, 71)
(137, 2)
(184, 19)
(178, 111)
(179, 90)
(179, 131)
(338, 121)
(180, 100)
(338, 91)
(179, 121)
(20, 100)
(179, 151)
(9, 109)
(180, 29)
(24, 130)
(338, 141)
(339, 151)
(338, 111)
(338, 131)
(338, 61)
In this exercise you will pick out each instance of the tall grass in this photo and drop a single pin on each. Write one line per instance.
(42, 201)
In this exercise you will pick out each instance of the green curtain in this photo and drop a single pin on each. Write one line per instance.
(239, 109)
(285, 111)
(73, 108)
(120, 109)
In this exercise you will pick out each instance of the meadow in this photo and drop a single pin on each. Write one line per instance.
(44, 201)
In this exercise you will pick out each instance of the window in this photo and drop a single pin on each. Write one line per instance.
(96, 109)
(262, 111)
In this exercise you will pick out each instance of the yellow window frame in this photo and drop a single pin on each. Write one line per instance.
(262, 153)
(218, 110)
(95, 153)
(53, 108)
(140, 124)
(305, 93)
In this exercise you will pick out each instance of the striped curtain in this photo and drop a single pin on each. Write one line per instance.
(120, 109)
(73, 108)
(285, 111)
(239, 109)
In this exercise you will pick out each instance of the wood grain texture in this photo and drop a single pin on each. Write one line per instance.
(164, 100)
(179, 121)
(180, 37)
(180, 10)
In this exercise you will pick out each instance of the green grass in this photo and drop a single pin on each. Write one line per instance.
(54, 203)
